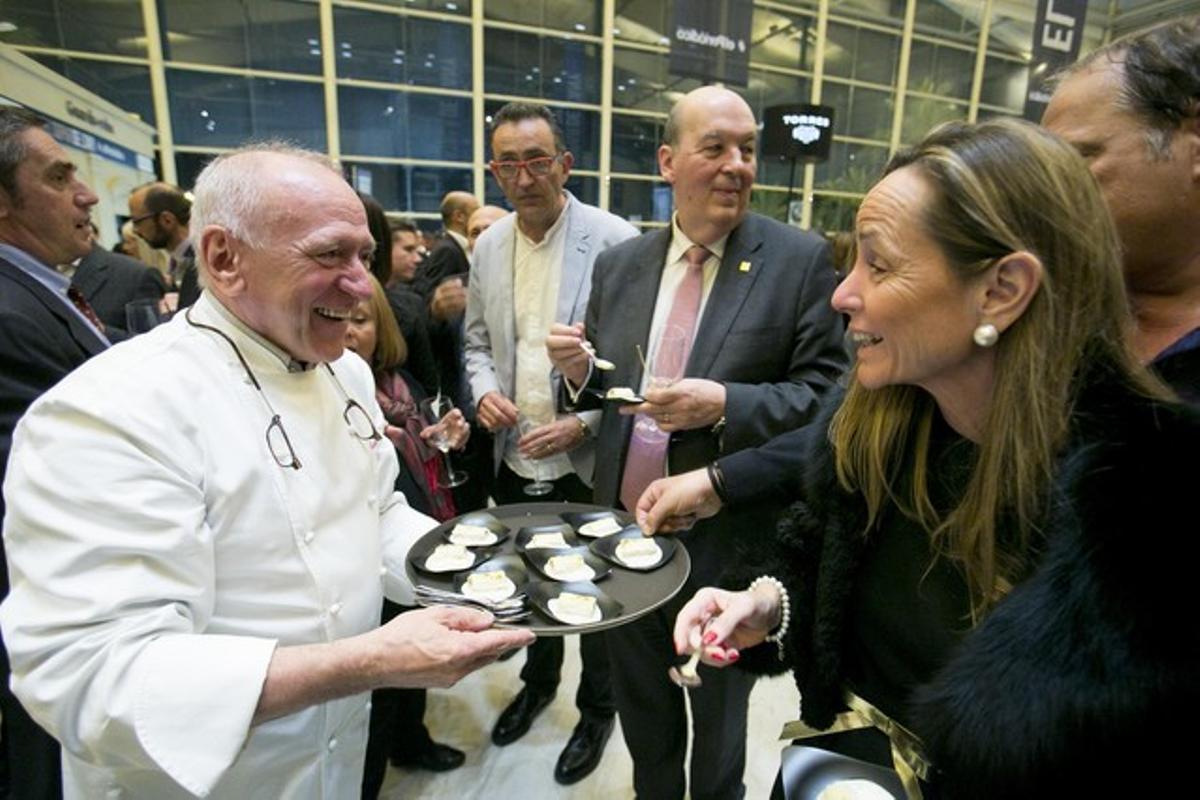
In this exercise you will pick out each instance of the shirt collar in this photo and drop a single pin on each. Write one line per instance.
(183, 251)
(458, 238)
(284, 358)
(33, 267)
(680, 243)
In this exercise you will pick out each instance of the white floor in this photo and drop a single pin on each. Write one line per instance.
(463, 717)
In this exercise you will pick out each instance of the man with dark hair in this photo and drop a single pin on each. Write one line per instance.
(1132, 109)
(160, 214)
(44, 334)
(529, 270)
(732, 310)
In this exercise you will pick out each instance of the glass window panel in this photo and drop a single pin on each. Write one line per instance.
(460, 7)
(958, 21)
(407, 188)
(188, 167)
(1004, 83)
(541, 66)
(395, 124)
(641, 81)
(642, 21)
(777, 171)
(227, 110)
(851, 167)
(831, 214)
(861, 53)
(922, 114)
(635, 144)
(581, 133)
(881, 13)
(773, 204)
(767, 89)
(640, 201)
(783, 40)
(400, 49)
(114, 27)
(583, 16)
(860, 112)
(281, 35)
(940, 69)
(126, 85)
(586, 188)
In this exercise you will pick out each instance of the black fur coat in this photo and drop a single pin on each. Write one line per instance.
(1085, 680)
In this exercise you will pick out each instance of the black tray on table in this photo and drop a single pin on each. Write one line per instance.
(638, 593)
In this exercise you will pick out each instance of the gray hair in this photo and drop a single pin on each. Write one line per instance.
(229, 191)
(13, 123)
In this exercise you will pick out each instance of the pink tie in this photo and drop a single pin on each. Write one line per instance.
(646, 458)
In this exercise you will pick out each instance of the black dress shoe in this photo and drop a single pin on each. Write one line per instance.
(515, 720)
(584, 749)
(437, 758)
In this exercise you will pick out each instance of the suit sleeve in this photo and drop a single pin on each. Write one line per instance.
(150, 285)
(477, 344)
(756, 412)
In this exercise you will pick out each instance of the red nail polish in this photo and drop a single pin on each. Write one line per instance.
(717, 657)
(710, 637)
(733, 656)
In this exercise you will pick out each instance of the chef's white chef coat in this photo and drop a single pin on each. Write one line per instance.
(158, 555)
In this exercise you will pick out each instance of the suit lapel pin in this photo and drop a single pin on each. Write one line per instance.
(744, 266)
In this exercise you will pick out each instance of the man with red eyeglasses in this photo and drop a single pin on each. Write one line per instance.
(531, 269)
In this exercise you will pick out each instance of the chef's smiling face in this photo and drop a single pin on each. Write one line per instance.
(299, 283)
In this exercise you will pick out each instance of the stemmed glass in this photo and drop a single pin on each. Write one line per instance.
(540, 485)
(667, 361)
(434, 410)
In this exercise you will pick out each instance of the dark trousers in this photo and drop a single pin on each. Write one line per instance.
(543, 658)
(30, 758)
(397, 726)
(654, 715)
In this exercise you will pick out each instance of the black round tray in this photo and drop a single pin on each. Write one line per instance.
(638, 592)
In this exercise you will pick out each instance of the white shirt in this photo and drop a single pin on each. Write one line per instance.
(158, 559)
(537, 269)
(673, 273)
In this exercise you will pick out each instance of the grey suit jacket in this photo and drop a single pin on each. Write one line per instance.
(768, 333)
(490, 329)
(110, 280)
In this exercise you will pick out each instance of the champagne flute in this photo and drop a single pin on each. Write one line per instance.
(667, 361)
(540, 485)
(434, 410)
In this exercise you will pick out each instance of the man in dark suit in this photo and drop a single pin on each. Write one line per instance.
(449, 256)
(110, 280)
(749, 297)
(161, 214)
(44, 212)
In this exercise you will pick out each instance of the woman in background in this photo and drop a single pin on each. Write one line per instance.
(397, 728)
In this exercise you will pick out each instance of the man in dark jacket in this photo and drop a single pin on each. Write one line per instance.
(44, 334)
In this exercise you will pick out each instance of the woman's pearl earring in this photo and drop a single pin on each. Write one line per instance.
(986, 335)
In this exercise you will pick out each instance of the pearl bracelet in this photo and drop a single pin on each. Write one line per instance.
(785, 609)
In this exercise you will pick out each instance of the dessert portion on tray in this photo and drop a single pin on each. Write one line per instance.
(545, 564)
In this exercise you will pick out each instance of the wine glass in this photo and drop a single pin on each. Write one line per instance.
(667, 361)
(434, 410)
(540, 485)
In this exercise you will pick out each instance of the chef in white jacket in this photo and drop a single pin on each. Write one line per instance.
(201, 522)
